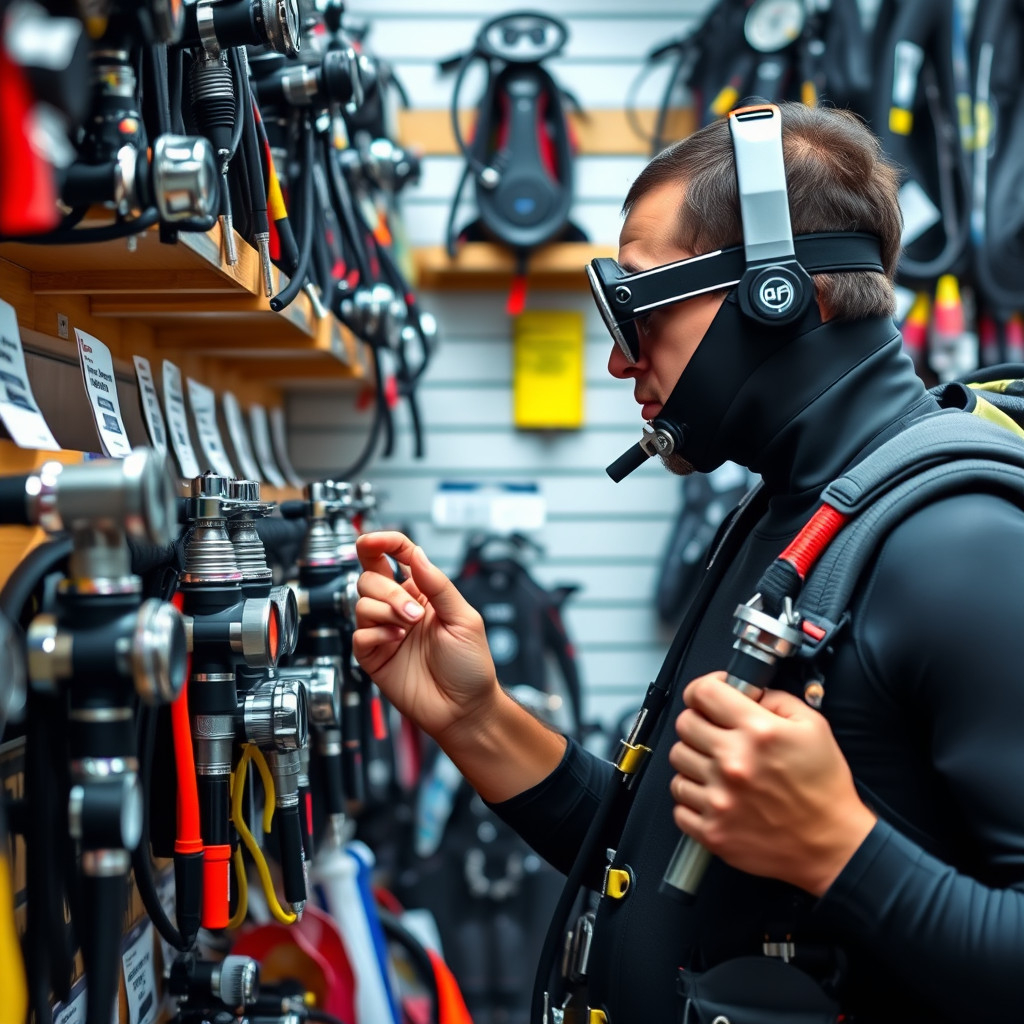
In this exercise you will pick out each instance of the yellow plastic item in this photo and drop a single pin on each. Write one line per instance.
(14, 1005)
(901, 122)
(548, 370)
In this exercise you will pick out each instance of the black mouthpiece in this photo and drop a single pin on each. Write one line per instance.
(629, 460)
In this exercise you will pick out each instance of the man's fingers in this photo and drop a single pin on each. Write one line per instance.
(373, 549)
(442, 594)
(402, 598)
(689, 794)
(691, 763)
(696, 731)
(371, 611)
(369, 639)
(719, 702)
(428, 580)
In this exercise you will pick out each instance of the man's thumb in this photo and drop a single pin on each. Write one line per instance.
(783, 704)
(443, 595)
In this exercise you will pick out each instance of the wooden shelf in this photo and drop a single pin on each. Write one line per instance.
(597, 132)
(487, 265)
(183, 297)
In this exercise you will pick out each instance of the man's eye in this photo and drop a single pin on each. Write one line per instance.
(643, 323)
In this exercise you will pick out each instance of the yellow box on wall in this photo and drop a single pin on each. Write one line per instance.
(547, 371)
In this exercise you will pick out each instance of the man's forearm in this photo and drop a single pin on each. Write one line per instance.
(504, 751)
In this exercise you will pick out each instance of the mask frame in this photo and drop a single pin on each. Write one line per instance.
(771, 270)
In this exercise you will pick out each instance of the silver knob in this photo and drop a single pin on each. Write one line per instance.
(185, 178)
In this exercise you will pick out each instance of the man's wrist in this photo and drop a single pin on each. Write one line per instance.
(502, 749)
(825, 869)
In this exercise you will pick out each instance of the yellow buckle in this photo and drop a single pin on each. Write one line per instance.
(631, 757)
(597, 1017)
(616, 882)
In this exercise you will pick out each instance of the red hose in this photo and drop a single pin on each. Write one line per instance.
(812, 540)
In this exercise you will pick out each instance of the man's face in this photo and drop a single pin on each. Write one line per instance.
(668, 336)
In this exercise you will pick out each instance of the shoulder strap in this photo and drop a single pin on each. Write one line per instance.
(938, 456)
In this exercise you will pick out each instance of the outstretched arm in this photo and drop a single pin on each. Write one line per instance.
(425, 646)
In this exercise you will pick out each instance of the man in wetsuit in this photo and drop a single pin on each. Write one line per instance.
(878, 844)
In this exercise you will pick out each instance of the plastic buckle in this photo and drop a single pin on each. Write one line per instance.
(819, 635)
(784, 951)
(617, 882)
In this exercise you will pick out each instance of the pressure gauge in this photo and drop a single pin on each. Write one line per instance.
(772, 25)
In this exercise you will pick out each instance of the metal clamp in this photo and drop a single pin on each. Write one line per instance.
(631, 757)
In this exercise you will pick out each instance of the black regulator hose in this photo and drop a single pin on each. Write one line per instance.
(396, 932)
(142, 864)
(287, 294)
(29, 573)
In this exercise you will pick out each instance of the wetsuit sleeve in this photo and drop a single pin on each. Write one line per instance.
(942, 636)
(554, 815)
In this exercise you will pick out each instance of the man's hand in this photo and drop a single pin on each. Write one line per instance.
(420, 641)
(764, 785)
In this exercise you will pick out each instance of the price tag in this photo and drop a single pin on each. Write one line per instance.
(100, 386)
(154, 418)
(73, 1011)
(165, 893)
(281, 447)
(139, 975)
(260, 427)
(204, 412)
(18, 409)
(238, 435)
(177, 422)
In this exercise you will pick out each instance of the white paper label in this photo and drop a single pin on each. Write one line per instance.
(139, 975)
(501, 508)
(904, 301)
(100, 386)
(18, 409)
(203, 403)
(264, 451)
(177, 422)
(239, 436)
(919, 212)
(338, 346)
(73, 1011)
(281, 447)
(165, 893)
(154, 418)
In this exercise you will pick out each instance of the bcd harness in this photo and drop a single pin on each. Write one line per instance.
(801, 608)
(520, 155)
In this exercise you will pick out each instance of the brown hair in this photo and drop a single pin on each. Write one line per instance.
(838, 180)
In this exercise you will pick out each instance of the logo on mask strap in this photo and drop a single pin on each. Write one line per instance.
(775, 294)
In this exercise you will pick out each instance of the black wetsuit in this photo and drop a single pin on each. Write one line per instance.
(926, 699)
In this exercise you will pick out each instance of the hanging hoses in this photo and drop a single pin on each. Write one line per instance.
(915, 115)
(306, 200)
(142, 866)
(997, 44)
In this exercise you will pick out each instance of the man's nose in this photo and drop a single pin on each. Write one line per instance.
(618, 365)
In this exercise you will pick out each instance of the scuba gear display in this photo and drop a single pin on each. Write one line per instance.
(996, 41)
(523, 620)
(99, 650)
(920, 111)
(773, 290)
(765, 49)
(520, 156)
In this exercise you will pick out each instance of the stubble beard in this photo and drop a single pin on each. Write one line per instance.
(676, 464)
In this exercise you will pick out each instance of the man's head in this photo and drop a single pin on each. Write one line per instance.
(686, 203)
